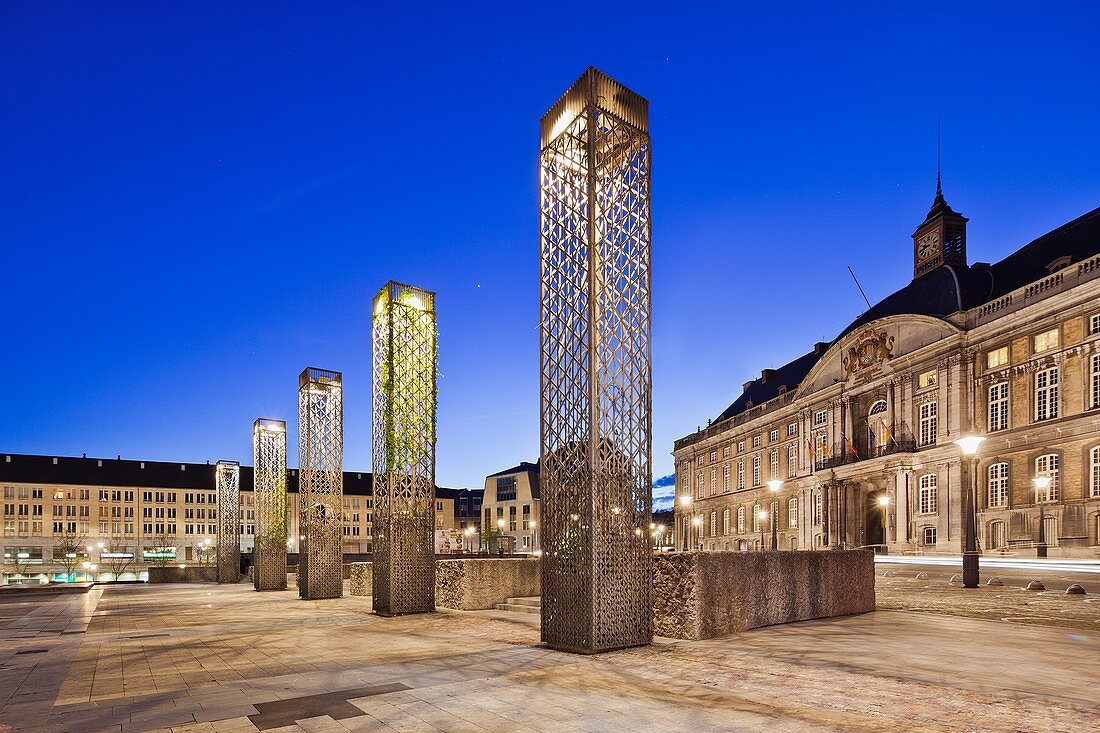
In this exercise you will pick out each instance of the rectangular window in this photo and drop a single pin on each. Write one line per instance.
(701, 486)
(998, 406)
(928, 423)
(792, 429)
(1046, 394)
(821, 417)
(792, 460)
(998, 485)
(1047, 466)
(741, 474)
(819, 500)
(725, 521)
(928, 494)
(756, 441)
(512, 518)
(929, 535)
(713, 481)
(726, 451)
(1095, 391)
(773, 436)
(506, 488)
(1094, 487)
(1094, 324)
(741, 446)
(756, 470)
(774, 464)
(1045, 341)
(996, 358)
(725, 478)
(713, 456)
(927, 379)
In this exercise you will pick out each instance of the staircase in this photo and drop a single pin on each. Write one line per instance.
(532, 604)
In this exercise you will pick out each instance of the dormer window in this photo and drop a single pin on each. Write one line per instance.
(1058, 264)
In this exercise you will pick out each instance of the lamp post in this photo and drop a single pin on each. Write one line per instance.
(467, 534)
(884, 502)
(534, 536)
(969, 446)
(775, 485)
(698, 523)
(685, 501)
(1042, 483)
(762, 515)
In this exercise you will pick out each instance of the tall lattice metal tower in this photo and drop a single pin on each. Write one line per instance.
(320, 484)
(596, 435)
(405, 354)
(227, 479)
(269, 489)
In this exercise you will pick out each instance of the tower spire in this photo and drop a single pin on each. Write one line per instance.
(939, 186)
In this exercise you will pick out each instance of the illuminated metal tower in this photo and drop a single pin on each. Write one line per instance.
(320, 484)
(269, 493)
(227, 479)
(596, 438)
(405, 353)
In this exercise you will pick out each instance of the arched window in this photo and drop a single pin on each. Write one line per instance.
(928, 493)
(756, 518)
(741, 520)
(725, 478)
(741, 474)
(713, 524)
(792, 512)
(1094, 472)
(725, 522)
(998, 484)
(998, 535)
(1047, 466)
(876, 426)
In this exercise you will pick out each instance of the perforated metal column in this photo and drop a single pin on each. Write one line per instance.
(269, 492)
(403, 572)
(320, 484)
(227, 479)
(595, 374)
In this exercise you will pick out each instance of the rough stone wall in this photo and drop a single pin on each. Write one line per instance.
(479, 583)
(700, 595)
(189, 574)
(360, 574)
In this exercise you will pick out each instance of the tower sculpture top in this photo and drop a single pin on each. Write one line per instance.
(595, 89)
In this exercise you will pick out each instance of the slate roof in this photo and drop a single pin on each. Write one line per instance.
(941, 292)
(114, 472)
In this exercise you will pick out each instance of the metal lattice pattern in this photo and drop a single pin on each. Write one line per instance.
(403, 571)
(227, 479)
(269, 489)
(595, 377)
(320, 484)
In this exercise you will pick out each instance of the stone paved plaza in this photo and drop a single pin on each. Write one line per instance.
(201, 657)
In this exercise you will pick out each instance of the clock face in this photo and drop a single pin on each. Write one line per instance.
(928, 245)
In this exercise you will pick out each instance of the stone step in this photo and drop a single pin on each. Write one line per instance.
(535, 601)
(517, 607)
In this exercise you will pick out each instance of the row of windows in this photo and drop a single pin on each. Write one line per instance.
(714, 487)
(760, 518)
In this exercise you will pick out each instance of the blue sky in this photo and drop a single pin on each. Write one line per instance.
(197, 200)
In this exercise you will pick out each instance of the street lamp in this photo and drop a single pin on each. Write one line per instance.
(1042, 483)
(698, 523)
(762, 515)
(534, 535)
(775, 485)
(884, 502)
(685, 501)
(969, 446)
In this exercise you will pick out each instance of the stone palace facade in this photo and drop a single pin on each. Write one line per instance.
(860, 431)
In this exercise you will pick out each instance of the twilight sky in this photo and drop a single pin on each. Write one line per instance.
(197, 200)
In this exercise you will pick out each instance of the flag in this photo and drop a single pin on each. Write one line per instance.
(888, 437)
(851, 447)
(825, 450)
(870, 439)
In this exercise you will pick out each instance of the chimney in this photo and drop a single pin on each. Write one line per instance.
(766, 375)
(820, 347)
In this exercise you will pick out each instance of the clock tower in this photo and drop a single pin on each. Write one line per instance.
(941, 238)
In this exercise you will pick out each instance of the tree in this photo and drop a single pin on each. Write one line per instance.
(70, 549)
(163, 545)
(116, 557)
